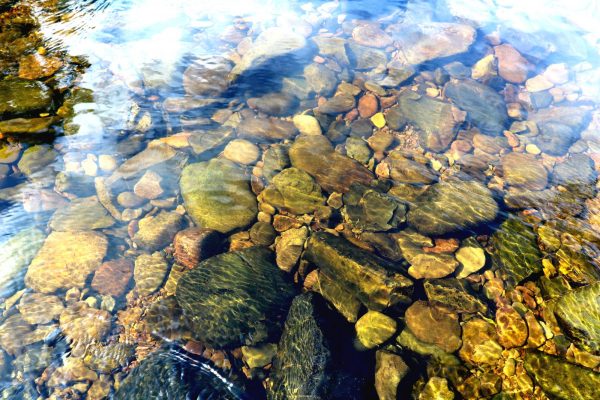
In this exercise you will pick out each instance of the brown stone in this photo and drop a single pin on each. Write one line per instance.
(36, 66)
(511, 328)
(525, 171)
(193, 245)
(368, 105)
(371, 35)
(479, 343)
(83, 324)
(512, 66)
(434, 325)
(112, 278)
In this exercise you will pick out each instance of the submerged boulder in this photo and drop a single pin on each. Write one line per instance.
(174, 375)
(315, 358)
(294, 191)
(333, 171)
(562, 379)
(451, 206)
(371, 210)
(373, 281)
(485, 108)
(21, 96)
(578, 313)
(517, 254)
(236, 298)
(217, 195)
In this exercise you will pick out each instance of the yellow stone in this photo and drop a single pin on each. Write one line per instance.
(378, 120)
(532, 149)
(374, 328)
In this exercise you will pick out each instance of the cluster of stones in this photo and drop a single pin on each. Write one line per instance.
(287, 251)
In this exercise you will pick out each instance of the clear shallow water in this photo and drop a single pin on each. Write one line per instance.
(479, 121)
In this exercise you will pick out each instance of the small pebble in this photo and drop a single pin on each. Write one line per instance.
(378, 120)
(532, 149)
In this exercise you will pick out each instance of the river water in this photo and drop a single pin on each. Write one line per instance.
(299, 200)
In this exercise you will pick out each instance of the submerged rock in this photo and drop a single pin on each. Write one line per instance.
(517, 254)
(423, 42)
(83, 324)
(209, 141)
(112, 278)
(266, 129)
(236, 298)
(454, 294)
(272, 43)
(170, 375)
(289, 247)
(434, 325)
(389, 371)
(338, 104)
(81, 214)
(207, 76)
(404, 170)
(36, 159)
(435, 119)
(17, 253)
(278, 104)
(374, 328)
(452, 205)
(424, 264)
(193, 245)
(65, 261)
(314, 357)
(333, 171)
(217, 195)
(578, 313)
(575, 382)
(375, 282)
(485, 108)
(525, 171)
(294, 191)
(512, 66)
(27, 125)
(21, 96)
(370, 210)
(149, 273)
(156, 232)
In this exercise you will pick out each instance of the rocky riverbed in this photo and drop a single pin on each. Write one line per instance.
(327, 207)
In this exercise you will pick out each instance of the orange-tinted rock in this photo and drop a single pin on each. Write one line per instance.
(193, 245)
(371, 35)
(368, 105)
(112, 278)
(434, 325)
(36, 66)
(511, 328)
(512, 66)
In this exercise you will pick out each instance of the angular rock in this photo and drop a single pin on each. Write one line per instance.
(320, 79)
(338, 295)
(471, 257)
(371, 35)
(370, 210)
(451, 206)
(236, 298)
(289, 247)
(149, 273)
(332, 171)
(485, 108)
(80, 215)
(512, 66)
(404, 170)
(436, 388)
(423, 264)
(266, 129)
(113, 277)
(423, 42)
(365, 58)
(206, 142)
(517, 253)
(314, 336)
(36, 66)
(389, 371)
(193, 245)
(479, 343)
(275, 160)
(21, 96)
(453, 294)
(65, 260)
(151, 157)
(525, 171)
(217, 195)
(575, 382)
(332, 46)
(156, 232)
(435, 119)
(376, 283)
(294, 191)
(374, 328)
(434, 325)
(578, 314)
(149, 186)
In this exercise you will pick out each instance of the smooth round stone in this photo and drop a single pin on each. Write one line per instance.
(241, 151)
(434, 325)
(130, 200)
(307, 125)
(538, 83)
(368, 105)
(512, 66)
(371, 35)
(107, 162)
(9, 153)
(374, 328)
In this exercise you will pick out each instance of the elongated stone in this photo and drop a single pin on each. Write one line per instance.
(375, 282)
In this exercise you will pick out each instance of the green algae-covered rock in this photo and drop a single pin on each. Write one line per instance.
(21, 96)
(156, 232)
(171, 375)
(36, 158)
(237, 298)
(578, 313)
(517, 253)
(454, 294)
(372, 280)
(315, 359)
(295, 191)
(370, 210)
(451, 206)
(217, 195)
(374, 328)
(484, 106)
(562, 379)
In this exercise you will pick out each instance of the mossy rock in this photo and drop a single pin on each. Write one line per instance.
(295, 191)
(217, 195)
(237, 298)
(578, 313)
(21, 96)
